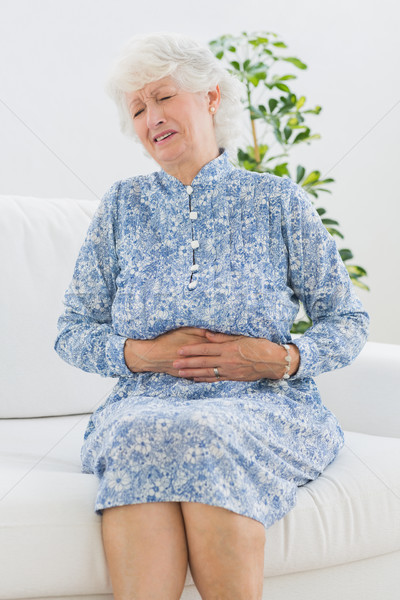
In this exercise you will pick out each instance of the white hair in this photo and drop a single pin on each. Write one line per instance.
(148, 58)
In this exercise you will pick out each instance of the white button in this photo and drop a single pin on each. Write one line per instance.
(189, 189)
(192, 285)
(195, 243)
(193, 215)
(194, 268)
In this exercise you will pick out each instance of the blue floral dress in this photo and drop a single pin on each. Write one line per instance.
(233, 252)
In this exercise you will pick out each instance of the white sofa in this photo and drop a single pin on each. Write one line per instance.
(342, 540)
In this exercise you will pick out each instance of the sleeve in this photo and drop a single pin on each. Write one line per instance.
(86, 338)
(319, 279)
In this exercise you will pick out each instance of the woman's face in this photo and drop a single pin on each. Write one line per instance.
(175, 127)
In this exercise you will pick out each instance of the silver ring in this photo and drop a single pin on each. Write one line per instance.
(216, 372)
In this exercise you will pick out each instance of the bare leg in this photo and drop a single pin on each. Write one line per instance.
(146, 550)
(226, 552)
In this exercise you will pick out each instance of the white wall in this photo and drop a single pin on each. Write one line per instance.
(59, 131)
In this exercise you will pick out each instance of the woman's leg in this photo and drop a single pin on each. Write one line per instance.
(226, 552)
(146, 552)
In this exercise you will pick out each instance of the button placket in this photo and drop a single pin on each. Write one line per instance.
(194, 242)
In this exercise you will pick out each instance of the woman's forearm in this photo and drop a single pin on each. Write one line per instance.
(135, 355)
(90, 346)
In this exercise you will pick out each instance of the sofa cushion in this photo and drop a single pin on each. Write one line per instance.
(351, 512)
(39, 243)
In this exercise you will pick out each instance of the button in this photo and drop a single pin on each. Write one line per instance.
(195, 243)
(194, 268)
(189, 189)
(193, 215)
(192, 285)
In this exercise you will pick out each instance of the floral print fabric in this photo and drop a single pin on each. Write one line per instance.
(233, 252)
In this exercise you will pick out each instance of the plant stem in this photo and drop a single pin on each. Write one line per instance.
(253, 129)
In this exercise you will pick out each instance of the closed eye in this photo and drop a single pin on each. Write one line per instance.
(138, 112)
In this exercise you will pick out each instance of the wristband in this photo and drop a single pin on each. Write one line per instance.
(288, 359)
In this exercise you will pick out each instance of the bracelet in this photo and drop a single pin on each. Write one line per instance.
(288, 359)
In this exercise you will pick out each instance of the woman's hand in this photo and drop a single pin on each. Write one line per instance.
(238, 357)
(158, 354)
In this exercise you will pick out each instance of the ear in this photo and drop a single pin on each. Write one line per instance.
(214, 97)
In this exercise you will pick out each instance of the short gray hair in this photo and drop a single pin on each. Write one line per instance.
(148, 58)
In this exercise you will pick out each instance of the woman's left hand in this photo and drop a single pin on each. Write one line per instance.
(237, 357)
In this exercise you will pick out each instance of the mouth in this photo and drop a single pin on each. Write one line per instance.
(163, 136)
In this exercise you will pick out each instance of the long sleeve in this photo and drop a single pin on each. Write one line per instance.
(319, 279)
(86, 338)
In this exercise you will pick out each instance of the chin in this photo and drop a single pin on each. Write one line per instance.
(168, 156)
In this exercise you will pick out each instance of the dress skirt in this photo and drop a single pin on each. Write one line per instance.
(247, 454)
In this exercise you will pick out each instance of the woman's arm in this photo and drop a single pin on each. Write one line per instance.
(86, 338)
(320, 280)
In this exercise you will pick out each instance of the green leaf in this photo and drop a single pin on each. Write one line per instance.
(219, 54)
(253, 79)
(321, 211)
(300, 172)
(287, 133)
(259, 41)
(235, 65)
(314, 111)
(346, 254)
(232, 49)
(263, 149)
(330, 222)
(360, 284)
(334, 231)
(295, 61)
(272, 103)
(304, 135)
(301, 326)
(282, 86)
(300, 102)
(281, 170)
(356, 271)
(312, 177)
(279, 44)
(329, 180)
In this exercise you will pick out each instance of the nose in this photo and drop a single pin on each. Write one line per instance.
(155, 115)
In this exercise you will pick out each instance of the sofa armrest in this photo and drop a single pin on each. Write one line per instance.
(365, 396)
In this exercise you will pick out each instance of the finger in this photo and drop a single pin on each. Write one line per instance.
(199, 350)
(208, 379)
(193, 330)
(203, 374)
(197, 362)
(220, 337)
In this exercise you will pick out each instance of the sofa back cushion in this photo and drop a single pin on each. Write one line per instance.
(39, 242)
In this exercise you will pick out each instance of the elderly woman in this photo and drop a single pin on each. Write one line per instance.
(186, 289)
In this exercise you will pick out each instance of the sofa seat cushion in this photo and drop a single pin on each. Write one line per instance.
(351, 512)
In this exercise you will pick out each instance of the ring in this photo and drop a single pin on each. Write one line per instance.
(216, 372)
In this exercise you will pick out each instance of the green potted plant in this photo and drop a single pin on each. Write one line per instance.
(277, 123)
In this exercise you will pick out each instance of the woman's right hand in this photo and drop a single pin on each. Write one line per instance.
(158, 354)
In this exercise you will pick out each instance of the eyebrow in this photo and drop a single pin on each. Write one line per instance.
(164, 85)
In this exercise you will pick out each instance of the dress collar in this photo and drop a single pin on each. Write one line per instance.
(211, 173)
